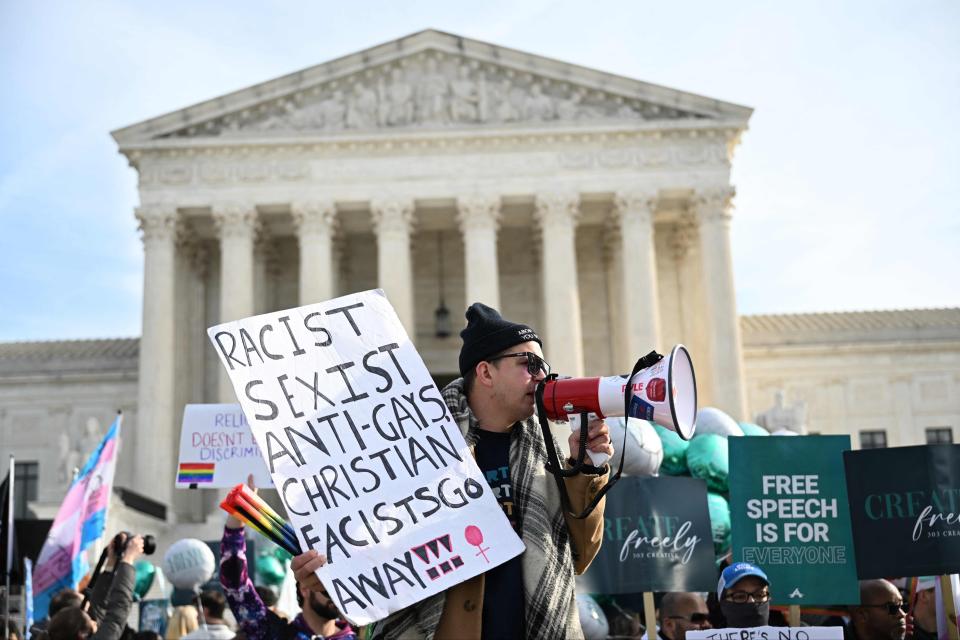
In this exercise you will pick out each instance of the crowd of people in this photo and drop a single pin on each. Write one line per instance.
(530, 596)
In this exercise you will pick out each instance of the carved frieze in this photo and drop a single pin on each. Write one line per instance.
(431, 90)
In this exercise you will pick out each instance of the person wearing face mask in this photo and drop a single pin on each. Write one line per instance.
(744, 595)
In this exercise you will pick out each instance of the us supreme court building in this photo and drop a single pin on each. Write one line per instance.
(594, 207)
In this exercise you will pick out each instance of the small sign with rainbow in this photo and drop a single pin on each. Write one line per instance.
(217, 449)
(195, 472)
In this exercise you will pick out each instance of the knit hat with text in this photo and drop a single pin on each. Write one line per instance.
(487, 333)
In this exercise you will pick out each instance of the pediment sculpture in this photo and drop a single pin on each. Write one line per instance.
(432, 91)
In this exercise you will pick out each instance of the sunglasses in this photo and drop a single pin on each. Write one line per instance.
(695, 618)
(893, 608)
(535, 364)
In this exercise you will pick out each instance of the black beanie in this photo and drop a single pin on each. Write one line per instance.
(487, 333)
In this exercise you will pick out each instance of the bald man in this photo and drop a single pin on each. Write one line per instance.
(681, 612)
(880, 614)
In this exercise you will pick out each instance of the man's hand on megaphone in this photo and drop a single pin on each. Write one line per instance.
(598, 439)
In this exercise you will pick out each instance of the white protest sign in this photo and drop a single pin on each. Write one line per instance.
(217, 449)
(769, 633)
(368, 462)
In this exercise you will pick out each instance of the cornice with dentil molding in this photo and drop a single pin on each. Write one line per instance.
(392, 215)
(478, 211)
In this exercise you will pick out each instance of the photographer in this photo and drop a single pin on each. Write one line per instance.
(110, 599)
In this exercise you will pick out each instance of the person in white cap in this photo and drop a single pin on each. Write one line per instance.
(744, 595)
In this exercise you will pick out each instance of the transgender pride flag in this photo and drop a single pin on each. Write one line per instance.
(79, 522)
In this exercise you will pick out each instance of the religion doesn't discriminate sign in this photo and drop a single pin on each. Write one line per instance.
(217, 449)
(905, 507)
(656, 537)
(368, 462)
(789, 515)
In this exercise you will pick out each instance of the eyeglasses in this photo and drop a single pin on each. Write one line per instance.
(893, 608)
(695, 618)
(747, 596)
(535, 364)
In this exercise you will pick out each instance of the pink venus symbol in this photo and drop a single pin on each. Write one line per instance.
(475, 537)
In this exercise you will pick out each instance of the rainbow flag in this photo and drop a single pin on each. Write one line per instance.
(195, 472)
(79, 523)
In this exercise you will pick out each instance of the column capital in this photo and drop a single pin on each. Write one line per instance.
(157, 222)
(478, 211)
(557, 207)
(714, 204)
(236, 220)
(312, 217)
(392, 215)
(638, 204)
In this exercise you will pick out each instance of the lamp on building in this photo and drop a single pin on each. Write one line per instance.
(441, 316)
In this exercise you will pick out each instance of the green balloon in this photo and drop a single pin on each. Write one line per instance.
(145, 573)
(750, 429)
(270, 571)
(719, 522)
(674, 452)
(282, 555)
(709, 459)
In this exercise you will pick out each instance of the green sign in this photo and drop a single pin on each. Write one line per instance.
(789, 515)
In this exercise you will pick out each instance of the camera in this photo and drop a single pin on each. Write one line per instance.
(120, 543)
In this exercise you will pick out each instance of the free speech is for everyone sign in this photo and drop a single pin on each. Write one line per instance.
(789, 515)
(368, 462)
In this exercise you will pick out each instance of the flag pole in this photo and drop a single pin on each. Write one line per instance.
(9, 550)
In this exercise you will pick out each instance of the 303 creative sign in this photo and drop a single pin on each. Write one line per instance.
(368, 462)
(905, 506)
(656, 537)
(217, 449)
(789, 515)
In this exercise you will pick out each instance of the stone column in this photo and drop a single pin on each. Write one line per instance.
(479, 218)
(557, 214)
(156, 428)
(713, 210)
(315, 222)
(237, 225)
(393, 221)
(640, 302)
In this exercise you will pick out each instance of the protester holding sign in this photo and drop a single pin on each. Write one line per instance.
(318, 615)
(880, 614)
(744, 594)
(531, 595)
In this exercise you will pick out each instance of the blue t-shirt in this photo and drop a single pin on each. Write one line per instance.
(503, 599)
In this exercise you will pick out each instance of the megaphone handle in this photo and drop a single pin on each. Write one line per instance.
(596, 459)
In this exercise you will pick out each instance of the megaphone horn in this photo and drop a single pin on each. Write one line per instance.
(664, 393)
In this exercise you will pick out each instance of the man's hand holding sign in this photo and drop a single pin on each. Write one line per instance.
(375, 476)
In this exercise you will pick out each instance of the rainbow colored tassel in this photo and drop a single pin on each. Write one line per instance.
(248, 507)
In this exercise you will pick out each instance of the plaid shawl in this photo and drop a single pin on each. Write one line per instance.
(551, 608)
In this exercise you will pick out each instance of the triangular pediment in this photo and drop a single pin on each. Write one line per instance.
(431, 81)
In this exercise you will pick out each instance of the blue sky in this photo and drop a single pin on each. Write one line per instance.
(848, 180)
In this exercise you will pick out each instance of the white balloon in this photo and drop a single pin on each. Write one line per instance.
(784, 432)
(188, 563)
(593, 620)
(644, 447)
(711, 420)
